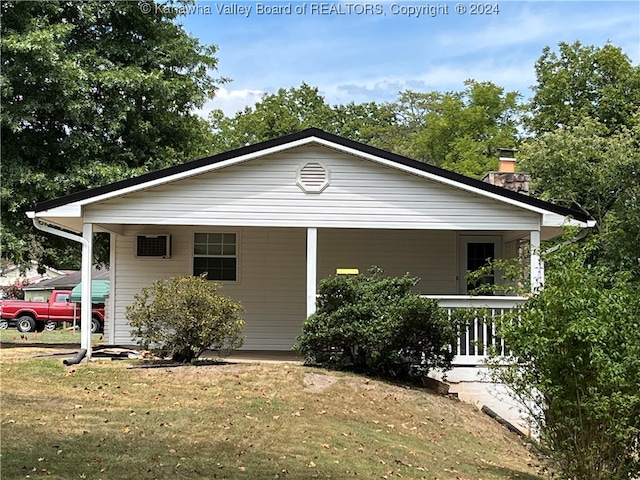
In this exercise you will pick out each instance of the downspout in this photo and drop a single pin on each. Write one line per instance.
(583, 233)
(77, 359)
(85, 243)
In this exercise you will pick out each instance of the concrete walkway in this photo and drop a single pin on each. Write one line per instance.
(472, 385)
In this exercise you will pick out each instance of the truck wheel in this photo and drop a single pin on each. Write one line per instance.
(96, 326)
(4, 324)
(26, 324)
(50, 326)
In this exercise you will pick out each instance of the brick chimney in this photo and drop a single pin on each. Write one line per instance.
(506, 176)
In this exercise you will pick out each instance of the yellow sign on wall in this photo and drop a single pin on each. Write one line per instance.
(347, 271)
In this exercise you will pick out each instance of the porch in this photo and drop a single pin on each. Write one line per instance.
(276, 271)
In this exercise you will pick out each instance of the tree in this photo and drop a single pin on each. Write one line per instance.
(378, 325)
(460, 131)
(575, 361)
(597, 172)
(584, 81)
(294, 109)
(181, 317)
(586, 112)
(575, 345)
(92, 92)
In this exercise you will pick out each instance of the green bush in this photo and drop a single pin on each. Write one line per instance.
(183, 316)
(378, 325)
(575, 363)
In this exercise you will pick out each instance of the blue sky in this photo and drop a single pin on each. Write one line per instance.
(354, 56)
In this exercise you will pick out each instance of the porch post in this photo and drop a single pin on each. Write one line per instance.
(85, 307)
(312, 268)
(537, 266)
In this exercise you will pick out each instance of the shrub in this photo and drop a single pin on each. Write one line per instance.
(575, 363)
(183, 316)
(378, 325)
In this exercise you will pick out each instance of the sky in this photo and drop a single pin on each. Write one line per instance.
(370, 51)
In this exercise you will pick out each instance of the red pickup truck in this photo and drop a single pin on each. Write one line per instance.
(37, 316)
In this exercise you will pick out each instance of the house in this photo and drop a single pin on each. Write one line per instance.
(14, 275)
(41, 291)
(271, 219)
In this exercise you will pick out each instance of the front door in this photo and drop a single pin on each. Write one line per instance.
(475, 252)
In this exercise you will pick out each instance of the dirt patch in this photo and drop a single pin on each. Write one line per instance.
(318, 382)
(204, 374)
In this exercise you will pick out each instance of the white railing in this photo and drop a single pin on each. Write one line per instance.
(472, 348)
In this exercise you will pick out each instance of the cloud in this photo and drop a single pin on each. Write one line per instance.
(230, 101)
(365, 59)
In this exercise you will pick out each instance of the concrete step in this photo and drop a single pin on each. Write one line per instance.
(472, 385)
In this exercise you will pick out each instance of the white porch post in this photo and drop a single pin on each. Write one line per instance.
(85, 307)
(312, 268)
(111, 331)
(537, 266)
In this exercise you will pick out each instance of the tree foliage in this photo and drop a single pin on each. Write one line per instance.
(92, 92)
(586, 111)
(377, 324)
(576, 362)
(581, 81)
(181, 317)
(294, 109)
(461, 131)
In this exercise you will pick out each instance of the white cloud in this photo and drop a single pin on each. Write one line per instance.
(230, 101)
(355, 59)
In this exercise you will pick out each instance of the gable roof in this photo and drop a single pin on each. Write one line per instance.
(301, 138)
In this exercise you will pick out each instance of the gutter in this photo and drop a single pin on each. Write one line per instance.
(56, 231)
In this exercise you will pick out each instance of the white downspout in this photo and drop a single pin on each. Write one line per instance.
(87, 244)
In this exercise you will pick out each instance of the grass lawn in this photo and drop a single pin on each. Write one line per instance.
(14, 344)
(107, 420)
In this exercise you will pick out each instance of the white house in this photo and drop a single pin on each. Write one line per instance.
(269, 220)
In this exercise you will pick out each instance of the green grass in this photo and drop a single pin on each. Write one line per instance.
(11, 335)
(240, 421)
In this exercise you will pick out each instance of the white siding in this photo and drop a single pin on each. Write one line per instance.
(361, 194)
(271, 284)
(272, 263)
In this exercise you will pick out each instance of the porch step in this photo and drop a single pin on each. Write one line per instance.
(471, 384)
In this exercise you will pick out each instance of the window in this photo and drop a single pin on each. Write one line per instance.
(479, 254)
(216, 254)
(474, 253)
(62, 298)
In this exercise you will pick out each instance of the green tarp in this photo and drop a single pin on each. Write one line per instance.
(99, 288)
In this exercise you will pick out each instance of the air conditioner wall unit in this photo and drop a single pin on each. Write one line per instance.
(153, 246)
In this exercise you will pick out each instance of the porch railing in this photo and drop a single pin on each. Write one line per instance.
(473, 344)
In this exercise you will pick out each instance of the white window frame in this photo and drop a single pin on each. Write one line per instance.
(236, 256)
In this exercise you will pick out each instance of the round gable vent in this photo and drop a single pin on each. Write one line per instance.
(313, 177)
